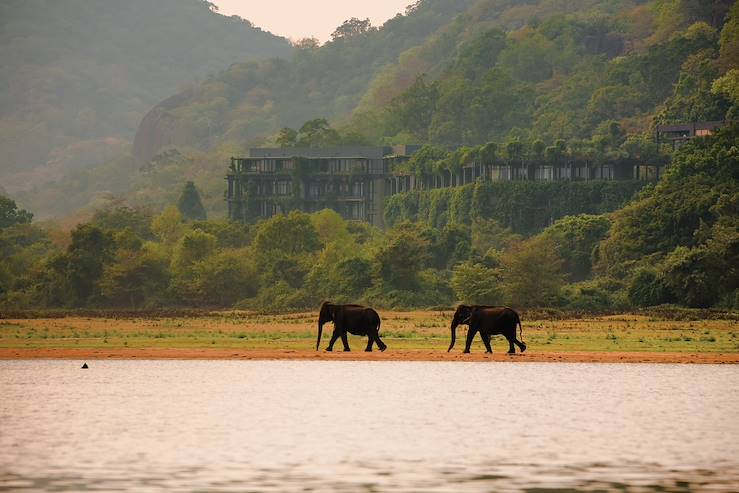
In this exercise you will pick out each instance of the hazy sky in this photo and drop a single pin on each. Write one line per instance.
(297, 19)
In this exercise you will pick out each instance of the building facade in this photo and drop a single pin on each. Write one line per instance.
(350, 180)
(354, 181)
(679, 133)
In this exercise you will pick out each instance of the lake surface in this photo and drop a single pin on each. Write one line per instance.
(288, 426)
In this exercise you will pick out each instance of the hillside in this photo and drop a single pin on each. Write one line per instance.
(469, 72)
(542, 67)
(256, 99)
(78, 76)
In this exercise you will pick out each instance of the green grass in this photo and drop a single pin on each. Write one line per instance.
(407, 330)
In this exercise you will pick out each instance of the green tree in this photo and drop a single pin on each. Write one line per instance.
(575, 238)
(401, 257)
(135, 278)
(189, 203)
(117, 218)
(90, 250)
(168, 226)
(413, 110)
(10, 214)
(646, 288)
(224, 278)
(477, 284)
(287, 137)
(351, 28)
(288, 235)
(693, 276)
(194, 246)
(317, 133)
(532, 273)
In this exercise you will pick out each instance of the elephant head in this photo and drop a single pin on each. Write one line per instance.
(325, 315)
(461, 317)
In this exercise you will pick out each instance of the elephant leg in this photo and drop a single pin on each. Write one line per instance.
(486, 340)
(468, 343)
(521, 345)
(345, 341)
(511, 348)
(378, 341)
(370, 341)
(334, 338)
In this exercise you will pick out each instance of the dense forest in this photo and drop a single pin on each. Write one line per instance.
(493, 80)
(78, 76)
(676, 242)
(460, 73)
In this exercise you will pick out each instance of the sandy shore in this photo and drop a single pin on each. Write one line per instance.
(398, 355)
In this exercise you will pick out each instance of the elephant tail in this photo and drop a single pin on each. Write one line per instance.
(520, 328)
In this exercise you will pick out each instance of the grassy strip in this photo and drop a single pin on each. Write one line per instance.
(401, 330)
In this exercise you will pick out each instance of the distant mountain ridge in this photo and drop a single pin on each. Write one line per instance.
(255, 99)
(78, 70)
(534, 62)
(539, 74)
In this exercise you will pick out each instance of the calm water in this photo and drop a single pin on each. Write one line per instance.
(367, 426)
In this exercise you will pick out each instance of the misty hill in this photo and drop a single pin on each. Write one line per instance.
(257, 98)
(79, 75)
(464, 72)
(552, 67)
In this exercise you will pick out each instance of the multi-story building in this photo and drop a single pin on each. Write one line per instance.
(350, 180)
(679, 133)
(354, 181)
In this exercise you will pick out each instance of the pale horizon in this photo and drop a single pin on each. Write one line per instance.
(297, 19)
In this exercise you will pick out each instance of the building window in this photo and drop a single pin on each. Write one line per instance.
(702, 132)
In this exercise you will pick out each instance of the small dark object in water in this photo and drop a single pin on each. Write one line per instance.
(84, 367)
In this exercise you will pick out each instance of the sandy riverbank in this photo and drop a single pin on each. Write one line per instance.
(398, 355)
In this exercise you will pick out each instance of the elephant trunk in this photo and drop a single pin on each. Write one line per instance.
(320, 329)
(454, 335)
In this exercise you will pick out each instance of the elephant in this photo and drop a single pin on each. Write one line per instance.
(355, 319)
(487, 320)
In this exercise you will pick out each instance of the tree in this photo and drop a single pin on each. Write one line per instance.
(538, 148)
(729, 49)
(189, 203)
(350, 28)
(331, 228)
(135, 278)
(317, 133)
(476, 284)
(192, 247)
(676, 211)
(288, 235)
(10, 214)
(693, 276)
(489, 233)
(532, 272)
(488, 153)
(287, 137)
(168, 226)
(414, 109)
(90, 250)
(401, 258)
(575, 238)
(118, 218)
(225, 278)
(728, 87)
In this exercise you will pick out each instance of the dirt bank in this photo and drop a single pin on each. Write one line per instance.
(398, 355)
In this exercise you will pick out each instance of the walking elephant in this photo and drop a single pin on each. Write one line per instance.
(354, 319)
(488, 321)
